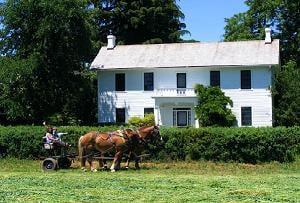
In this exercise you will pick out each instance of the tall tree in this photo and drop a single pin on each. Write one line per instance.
(287, 95)
(15, 86)
(284, 17)
(61, 36)
(57, 33)
(139, 21)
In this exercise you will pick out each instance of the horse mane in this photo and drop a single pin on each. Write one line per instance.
(145, 127)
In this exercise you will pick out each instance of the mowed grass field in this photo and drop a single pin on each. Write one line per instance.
(23, 181)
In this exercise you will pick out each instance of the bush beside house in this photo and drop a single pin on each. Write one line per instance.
(148, 120)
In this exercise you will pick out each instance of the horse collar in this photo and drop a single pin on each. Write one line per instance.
(110, 134)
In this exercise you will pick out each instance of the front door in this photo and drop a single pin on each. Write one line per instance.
(181, 117)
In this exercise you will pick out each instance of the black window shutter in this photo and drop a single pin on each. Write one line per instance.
(245, 79)
(215, 78)
(120, 81)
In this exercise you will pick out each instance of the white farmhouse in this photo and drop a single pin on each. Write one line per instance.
(137, 79)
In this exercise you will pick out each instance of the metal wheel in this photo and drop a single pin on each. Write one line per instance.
(64, 162)
(49, 164)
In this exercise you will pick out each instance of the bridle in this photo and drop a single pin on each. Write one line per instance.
(154, 133)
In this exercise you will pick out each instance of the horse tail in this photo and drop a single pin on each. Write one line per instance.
(80, 149)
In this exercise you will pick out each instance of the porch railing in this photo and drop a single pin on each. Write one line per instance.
(174, 92)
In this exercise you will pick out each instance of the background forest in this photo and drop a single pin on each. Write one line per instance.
(47, 46)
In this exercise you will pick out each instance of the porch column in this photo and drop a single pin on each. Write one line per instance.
(157, 115)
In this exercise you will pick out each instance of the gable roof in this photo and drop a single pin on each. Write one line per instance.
(240, 53)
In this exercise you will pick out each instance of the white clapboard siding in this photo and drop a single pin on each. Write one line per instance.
(134, 99)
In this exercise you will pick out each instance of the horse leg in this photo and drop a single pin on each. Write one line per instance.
(116, 161)
(137, 160)
(82, 163)
(102, 162)
(90, 160)
(128, 160)
(81, 155)
(118, 165)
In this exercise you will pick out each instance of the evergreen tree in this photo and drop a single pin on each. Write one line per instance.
(139, 21)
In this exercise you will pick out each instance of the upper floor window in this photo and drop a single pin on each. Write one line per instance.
(148, 111)
(215, 78)
(245, 79)
(148, 81)
(120, 115)
(181, 80)
(246, 116)
(120, 81)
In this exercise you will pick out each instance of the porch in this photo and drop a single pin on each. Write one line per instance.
(175, 107)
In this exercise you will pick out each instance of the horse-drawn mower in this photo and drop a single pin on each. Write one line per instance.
(58, 157)
(93, 146)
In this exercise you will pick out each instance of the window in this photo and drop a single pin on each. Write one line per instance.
(148, 111)
(120, 81)
(246, 116)
(245, 79)
(120, 115)
(181, 80)
(148, 81)
(181, 117)
(215, 78)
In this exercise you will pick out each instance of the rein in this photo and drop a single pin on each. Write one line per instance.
(142, 140)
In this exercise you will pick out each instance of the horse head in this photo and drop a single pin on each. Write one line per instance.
(150, 134)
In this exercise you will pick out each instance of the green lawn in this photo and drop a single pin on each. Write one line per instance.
(23, 181)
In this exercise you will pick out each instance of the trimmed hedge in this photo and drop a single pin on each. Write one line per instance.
(26, 141)
(247, 145)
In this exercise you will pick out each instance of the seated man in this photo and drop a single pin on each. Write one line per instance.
(50, 138)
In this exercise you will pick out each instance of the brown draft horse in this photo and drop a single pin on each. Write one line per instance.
(120, 141)
(147, 135)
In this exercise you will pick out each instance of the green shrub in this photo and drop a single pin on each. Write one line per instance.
(248, 145)
(135, 121)
(148, 120)
(26, 141)
(213, 107)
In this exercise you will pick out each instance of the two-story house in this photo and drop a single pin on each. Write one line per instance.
(159, 78)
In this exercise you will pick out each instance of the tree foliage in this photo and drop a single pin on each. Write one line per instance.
(15, 86)
(284, 17)
(287, 95)
(251, 24)
(57, 33)
(57, 38)
(139, 21)
(212, 107)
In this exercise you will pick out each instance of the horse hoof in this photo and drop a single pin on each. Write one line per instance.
(83, 169)
(126, 167)
(94, 170)
(112, 170)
